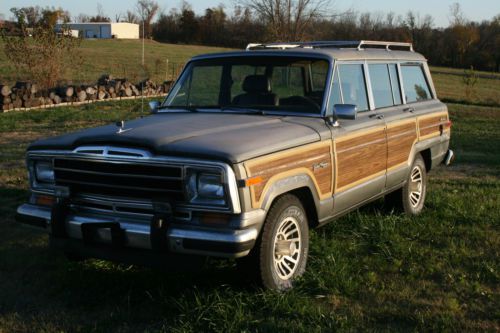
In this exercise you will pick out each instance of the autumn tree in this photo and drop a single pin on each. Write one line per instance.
(43, 53)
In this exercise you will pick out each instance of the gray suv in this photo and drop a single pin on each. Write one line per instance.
(249, 151)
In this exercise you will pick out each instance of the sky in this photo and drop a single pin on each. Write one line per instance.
(476, 10)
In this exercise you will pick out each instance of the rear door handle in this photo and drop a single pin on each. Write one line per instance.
(378, 116)
(409, 109)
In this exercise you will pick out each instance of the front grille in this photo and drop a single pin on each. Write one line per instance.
(120, 178)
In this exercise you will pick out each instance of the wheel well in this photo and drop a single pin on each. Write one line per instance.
(426, 155)
(305, 196)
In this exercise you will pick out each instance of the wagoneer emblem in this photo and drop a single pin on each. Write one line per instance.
(318, 166)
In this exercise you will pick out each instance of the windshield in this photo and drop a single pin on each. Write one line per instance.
(284, 84)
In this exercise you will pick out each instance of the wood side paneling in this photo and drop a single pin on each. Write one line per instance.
(360, 157)
(431, 125)
(400, 140)
(291, 162)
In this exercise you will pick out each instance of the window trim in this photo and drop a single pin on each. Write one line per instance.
(386, 63)
(366, 78)
(422, 66)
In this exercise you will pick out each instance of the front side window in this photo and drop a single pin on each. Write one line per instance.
(352, 85)
(414, 84)
(268, 83)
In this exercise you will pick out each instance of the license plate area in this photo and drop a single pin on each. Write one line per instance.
(90, 232)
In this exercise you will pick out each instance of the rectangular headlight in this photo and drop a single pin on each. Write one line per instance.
(205, 187)
(210, 186)
(44, 172)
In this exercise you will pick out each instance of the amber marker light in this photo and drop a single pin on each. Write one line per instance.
(215, 219)
(253, 181)
(45, 200)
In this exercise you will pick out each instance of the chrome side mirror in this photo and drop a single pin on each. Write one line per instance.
(345, 111)
(154, 105)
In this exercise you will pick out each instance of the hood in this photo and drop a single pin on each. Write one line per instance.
(224, 136)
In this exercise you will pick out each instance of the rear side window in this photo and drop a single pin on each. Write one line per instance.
(414, 84)
(352, 84)
(381, 85)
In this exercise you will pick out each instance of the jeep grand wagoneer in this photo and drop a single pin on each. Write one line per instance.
(249, 151)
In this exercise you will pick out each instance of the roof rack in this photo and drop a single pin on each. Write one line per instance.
(358, 44)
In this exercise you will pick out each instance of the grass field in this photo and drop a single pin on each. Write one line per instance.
(370, 270)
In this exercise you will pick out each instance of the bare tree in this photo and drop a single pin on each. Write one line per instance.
(288, 20)
(457, 17)
(82, 18)
(131, 17)
(147, 10)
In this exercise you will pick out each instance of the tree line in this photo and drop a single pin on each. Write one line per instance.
(462, 44)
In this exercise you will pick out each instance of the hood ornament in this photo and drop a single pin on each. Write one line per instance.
(121, 127)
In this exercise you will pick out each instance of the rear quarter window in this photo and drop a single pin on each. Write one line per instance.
(415, 85)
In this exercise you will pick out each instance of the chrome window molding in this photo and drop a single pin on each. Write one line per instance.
(229, 177)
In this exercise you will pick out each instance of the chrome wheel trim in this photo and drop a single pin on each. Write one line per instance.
(416, 186)
(287, 248)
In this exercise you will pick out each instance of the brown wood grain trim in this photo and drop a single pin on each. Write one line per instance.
(296, 161)
(360, 158)
(401, 138)
(430, 125)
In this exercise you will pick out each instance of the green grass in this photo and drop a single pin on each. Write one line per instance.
(370, 270)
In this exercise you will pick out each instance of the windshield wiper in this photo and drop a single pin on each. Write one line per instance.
(180, 107)
(244, 109)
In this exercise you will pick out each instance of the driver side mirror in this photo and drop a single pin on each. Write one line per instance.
(345, 111)
(154, 105)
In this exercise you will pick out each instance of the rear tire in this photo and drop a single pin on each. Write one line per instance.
(280, 255)
(411, 197)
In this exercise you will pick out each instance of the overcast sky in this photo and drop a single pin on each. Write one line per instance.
(476, 10)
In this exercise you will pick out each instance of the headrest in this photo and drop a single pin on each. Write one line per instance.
(257, 84)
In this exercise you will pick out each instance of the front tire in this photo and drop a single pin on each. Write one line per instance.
(284, 244)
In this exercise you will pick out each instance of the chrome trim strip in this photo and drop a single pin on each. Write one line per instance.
(106, 151)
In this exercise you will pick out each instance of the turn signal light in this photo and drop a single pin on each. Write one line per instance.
(214, 219)
(45, 200)
(253, 181)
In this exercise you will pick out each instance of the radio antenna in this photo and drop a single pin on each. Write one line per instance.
(142, 81)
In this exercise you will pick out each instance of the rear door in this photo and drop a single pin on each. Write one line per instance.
(360, 144)
(400, 119)
(418, 107)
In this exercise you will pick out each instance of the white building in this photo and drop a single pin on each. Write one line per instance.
(119, 30)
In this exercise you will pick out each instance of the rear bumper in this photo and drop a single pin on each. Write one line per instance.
(449, 157)
(182, 239)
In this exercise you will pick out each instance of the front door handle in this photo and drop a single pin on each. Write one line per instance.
(378, 116)
(408, 109)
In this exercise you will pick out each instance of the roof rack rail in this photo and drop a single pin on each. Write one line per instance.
(358, 44)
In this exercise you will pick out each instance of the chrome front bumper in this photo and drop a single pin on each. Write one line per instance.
(180, 238)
